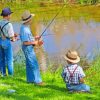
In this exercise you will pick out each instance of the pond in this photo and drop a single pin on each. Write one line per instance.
(74, 28)
(63, 35)
(79, 35)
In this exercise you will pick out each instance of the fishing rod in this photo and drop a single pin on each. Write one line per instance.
(52, 21)
(42, 34)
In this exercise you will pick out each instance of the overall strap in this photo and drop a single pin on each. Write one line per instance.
(71, 74)
(1, 28)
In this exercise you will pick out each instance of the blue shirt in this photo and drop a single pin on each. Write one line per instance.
(25, 34)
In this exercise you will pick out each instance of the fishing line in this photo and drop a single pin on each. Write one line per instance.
(42, 34)
(52, 20)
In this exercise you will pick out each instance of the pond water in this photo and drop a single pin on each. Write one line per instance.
(81, 35)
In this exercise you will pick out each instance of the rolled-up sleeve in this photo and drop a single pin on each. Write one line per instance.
(24, 35)
(10, 30)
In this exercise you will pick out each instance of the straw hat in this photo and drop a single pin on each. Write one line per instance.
(72, 56)
(27, 16)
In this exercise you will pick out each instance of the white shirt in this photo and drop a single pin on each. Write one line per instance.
(8, 29)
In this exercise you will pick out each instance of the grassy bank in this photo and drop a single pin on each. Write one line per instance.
(54, 88)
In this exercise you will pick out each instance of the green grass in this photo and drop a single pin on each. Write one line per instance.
(54, 88)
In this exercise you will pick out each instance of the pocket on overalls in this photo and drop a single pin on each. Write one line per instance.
(6, 43)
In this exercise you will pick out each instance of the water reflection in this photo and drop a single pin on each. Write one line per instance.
(80, 35)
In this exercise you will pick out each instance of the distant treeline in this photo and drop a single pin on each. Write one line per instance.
(55, 1)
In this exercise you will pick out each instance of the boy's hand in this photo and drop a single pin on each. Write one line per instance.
(82, 80)
(35, 43)
(16, 35)
(40, 42)
(15, 38)
(37, 37)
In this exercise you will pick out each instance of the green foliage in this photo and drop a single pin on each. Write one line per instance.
(88, 1)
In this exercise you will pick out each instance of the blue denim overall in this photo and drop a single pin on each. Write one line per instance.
(6, 53)
(32, 67)
(78, 87)
(6, 56)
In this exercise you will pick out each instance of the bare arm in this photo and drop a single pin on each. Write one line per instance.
(13, 36)
(82, 80)
(30, 43)
(34, 43)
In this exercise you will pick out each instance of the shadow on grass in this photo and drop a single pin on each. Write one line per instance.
(13, 80)
(20, 80)
(52, 91)
(54, 87)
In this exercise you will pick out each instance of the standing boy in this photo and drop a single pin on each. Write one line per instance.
(28, 43)
(6, 36)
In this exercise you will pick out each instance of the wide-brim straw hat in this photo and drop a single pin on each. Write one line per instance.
(27, 16)
(72, 56)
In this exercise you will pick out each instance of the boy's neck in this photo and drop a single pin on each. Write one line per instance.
(6, 18)
(26, 24)
(71, 64)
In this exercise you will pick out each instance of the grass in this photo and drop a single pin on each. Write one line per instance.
(54, 88)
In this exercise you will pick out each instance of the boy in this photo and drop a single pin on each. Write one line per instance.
(6, 36)
(73, 74)
(28, 43)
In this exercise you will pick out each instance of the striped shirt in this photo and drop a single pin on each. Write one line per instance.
(77, 75)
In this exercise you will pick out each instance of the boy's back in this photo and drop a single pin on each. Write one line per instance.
(76, 72)
(73, 74)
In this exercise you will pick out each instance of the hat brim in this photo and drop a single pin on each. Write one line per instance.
(6, 14)
(32, 15)
(73, 61)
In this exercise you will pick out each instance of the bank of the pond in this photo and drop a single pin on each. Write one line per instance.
(54, 88)
(47, 13)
